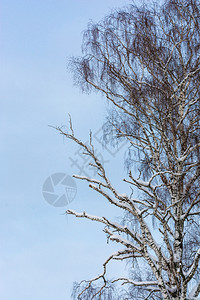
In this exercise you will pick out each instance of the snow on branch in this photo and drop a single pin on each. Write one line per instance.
(137, 283)
(109, 223)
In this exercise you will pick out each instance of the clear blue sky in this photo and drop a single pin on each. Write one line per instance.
(42, 251)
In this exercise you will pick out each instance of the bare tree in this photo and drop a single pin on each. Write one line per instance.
(146, 61)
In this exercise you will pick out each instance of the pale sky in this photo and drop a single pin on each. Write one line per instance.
(42, 251)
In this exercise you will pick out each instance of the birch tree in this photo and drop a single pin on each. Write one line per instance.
(146, 62)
